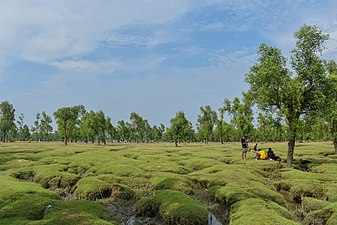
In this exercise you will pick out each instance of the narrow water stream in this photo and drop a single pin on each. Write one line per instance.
(212, 220)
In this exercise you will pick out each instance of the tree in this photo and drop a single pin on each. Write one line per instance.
(274, 87)
(7, 118)
(124, 130)
(45, 127)
(138, 127)
(67, 119)
(94, 125)
(329, 103)
(23, 129)
(36, 129)
(181, 129)
(206, 122)
(220, 125)
(241, 115)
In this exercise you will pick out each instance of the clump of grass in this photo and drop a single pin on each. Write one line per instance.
(178, 184)
(326, 215)
(122, 191)
(174, 207)
(305, 184)
(92, 188)
(306, 189)
(13, 189)
(234, 192)
(30, 206)
(313, 204)
(194, 164)
(252, 211)
(77, 212)
(146, 206)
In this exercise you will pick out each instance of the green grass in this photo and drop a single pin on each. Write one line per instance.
(177, 184)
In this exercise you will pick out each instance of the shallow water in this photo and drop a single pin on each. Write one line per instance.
(212, 220)
(131, 221)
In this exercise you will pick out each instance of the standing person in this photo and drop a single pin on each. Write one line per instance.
(244, 143)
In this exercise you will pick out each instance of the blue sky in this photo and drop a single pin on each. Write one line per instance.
(146, 56)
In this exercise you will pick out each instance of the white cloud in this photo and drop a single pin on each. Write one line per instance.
(41, 31)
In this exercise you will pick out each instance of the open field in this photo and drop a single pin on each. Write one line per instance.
(158, 183)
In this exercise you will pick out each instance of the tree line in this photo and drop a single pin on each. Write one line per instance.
(288, 100)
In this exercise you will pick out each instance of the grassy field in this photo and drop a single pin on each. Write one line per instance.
(48, 183)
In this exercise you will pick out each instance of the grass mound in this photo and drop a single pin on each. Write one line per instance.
(326, 215)
(252, 211)
(174, 207)
(93, 188)
(23, 202)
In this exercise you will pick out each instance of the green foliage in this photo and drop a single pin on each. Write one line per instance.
(274, 87)
(206, 122)
(181, 129)
(67, 120)
(7, 118)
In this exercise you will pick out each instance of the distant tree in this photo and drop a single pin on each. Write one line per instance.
(110, 129)
(7, 118)
(45, 127)
(220, 125)
(241, 115)
(274, 87)
(23, 130)
(138, 127)
(94, 123)
(67, 119)
(25, 134)
(206, 122)
(36, 129)
(181, 129)
(123, 130)
(158, 132)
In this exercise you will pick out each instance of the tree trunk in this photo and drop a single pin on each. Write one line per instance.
(291, 147)
(292, 138)
(176, 142)
(335, 145)
(65, 136)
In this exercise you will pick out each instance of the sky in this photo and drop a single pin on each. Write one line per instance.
(152, 57)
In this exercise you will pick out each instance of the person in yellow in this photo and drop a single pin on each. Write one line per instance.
(261, 154)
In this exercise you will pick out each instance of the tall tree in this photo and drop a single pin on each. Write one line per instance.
(22, 132)
(124, 130)
(206, 122)
(36, 129)
(94, 123)
(138, 127)
(181, 129)
(45, 126)
(7, 118)
(274, 87)
(329, 103)
(220, 125)
(67, 119)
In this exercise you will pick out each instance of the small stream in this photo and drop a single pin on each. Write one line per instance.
(212, 220)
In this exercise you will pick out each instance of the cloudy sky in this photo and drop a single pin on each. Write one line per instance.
(153, 57)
